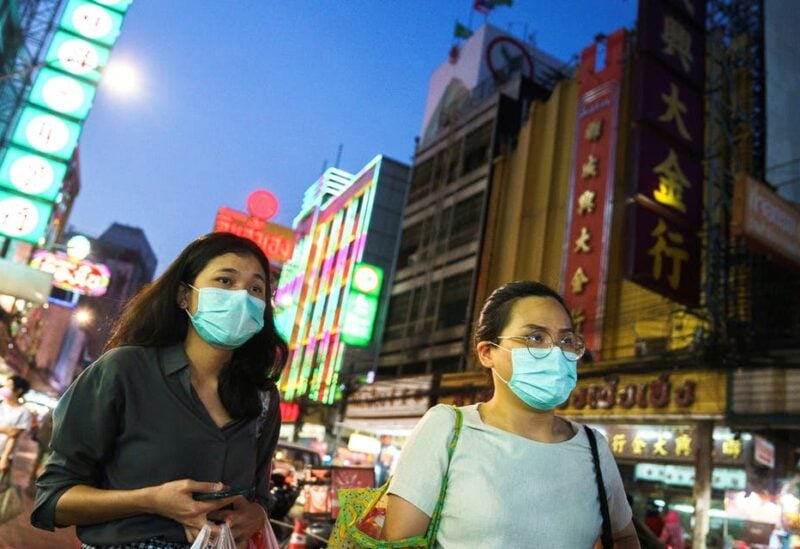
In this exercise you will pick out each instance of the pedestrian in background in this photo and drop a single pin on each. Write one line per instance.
(183, 401)
(672, 533)
(15, 419)
(519, 476)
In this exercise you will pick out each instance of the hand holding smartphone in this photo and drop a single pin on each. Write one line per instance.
(208, 496)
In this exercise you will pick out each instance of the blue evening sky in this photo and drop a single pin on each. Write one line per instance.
(246, 94)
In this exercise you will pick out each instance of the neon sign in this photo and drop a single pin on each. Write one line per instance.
(78, 276)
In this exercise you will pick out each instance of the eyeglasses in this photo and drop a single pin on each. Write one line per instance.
(540, 343)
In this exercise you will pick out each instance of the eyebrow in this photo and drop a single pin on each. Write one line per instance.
(545, 328)
(234, 271)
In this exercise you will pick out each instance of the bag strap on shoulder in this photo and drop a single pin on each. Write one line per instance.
(433, 527)
(607, 538)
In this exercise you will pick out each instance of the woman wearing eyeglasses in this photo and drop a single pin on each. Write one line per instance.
(520, 476)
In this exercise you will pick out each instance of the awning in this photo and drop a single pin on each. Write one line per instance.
(23, 282)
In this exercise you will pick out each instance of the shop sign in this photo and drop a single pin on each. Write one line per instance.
(364, 444)
(683, 475)
(276, 241)
(664, 256)
(637, 395)
(764, 452)
(404, 397)
(585, 262)
(290, 411)
(23, 218)
(79, 276)
(767, 222)
(463, 389)
(675, 443)
(361, 305)
(31, 174)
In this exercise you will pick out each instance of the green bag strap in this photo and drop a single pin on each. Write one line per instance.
(433, 527)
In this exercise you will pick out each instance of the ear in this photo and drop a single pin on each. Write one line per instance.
(183, 296)
(484, 351)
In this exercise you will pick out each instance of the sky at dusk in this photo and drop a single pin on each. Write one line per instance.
(238, 95)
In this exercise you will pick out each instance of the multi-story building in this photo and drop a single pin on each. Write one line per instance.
(332, 295)
(476, 104)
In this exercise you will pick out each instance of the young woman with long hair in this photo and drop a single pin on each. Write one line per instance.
(182, 402)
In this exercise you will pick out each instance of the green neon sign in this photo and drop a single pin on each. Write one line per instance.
(77, 56)
(92, 21)
(120, 6)
(23, 218)
(61, 92)
(362, 305)
(31, 174)
(46, 133)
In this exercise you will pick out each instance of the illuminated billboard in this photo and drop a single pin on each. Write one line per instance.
(24, 172)
(362, 305)
(78, 276)
(23, 218)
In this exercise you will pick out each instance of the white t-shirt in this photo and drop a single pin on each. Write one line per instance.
(507, 491)
(18, 417)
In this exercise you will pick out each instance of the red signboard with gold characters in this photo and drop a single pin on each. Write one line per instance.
(276, 241)
(591, 189)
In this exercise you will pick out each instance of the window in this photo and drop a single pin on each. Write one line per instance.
(476, 148)
(420, 180)
(397, 315)
(409, 246)
(455, 297)
(466, 221)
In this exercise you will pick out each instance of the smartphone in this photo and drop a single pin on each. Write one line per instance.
(206, 496)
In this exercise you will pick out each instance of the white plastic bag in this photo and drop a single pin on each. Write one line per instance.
(207, 539)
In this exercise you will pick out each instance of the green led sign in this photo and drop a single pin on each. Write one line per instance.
(367, 279)
(362, 305)
(92, 21)
(31, 174)
(46, 133)
(23, 218)
(63, 93)
(77, 56)
(117, 5)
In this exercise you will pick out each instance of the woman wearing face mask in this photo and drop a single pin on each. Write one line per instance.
(519, 476)
(183, 401)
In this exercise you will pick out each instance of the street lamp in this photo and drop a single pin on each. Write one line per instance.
(83, 317)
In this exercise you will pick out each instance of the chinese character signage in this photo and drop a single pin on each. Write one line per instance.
(49, 126)
(676, 443)
(591, 192)
(275, 241)
(79, 276)
(667, 144)
(23, 218)
(664, 256)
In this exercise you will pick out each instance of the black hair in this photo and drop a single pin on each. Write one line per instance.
(153, 318)
(20, 383)
(494, 315)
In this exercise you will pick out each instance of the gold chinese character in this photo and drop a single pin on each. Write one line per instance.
(618, 443)
(671, 183)
(683, 445)
(579, 280)
(582, 242)
(594, 130)
(675, 111)
(586, 202)
(589, 168)
(677, 41)
(732, 447)
(661, 248)
(660, 446)
(639, 445)
(578, 318)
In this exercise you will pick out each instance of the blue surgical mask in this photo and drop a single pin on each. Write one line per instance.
(227, 318)
(541, 383)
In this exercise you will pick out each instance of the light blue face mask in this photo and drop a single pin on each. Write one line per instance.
(541, 383)
(227, 318)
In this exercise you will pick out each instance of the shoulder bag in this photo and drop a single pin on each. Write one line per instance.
(362, 510)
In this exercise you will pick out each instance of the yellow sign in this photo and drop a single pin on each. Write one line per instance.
(690, 393)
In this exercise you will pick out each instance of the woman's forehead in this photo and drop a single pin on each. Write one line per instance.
(539, 311)
(244, 263)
